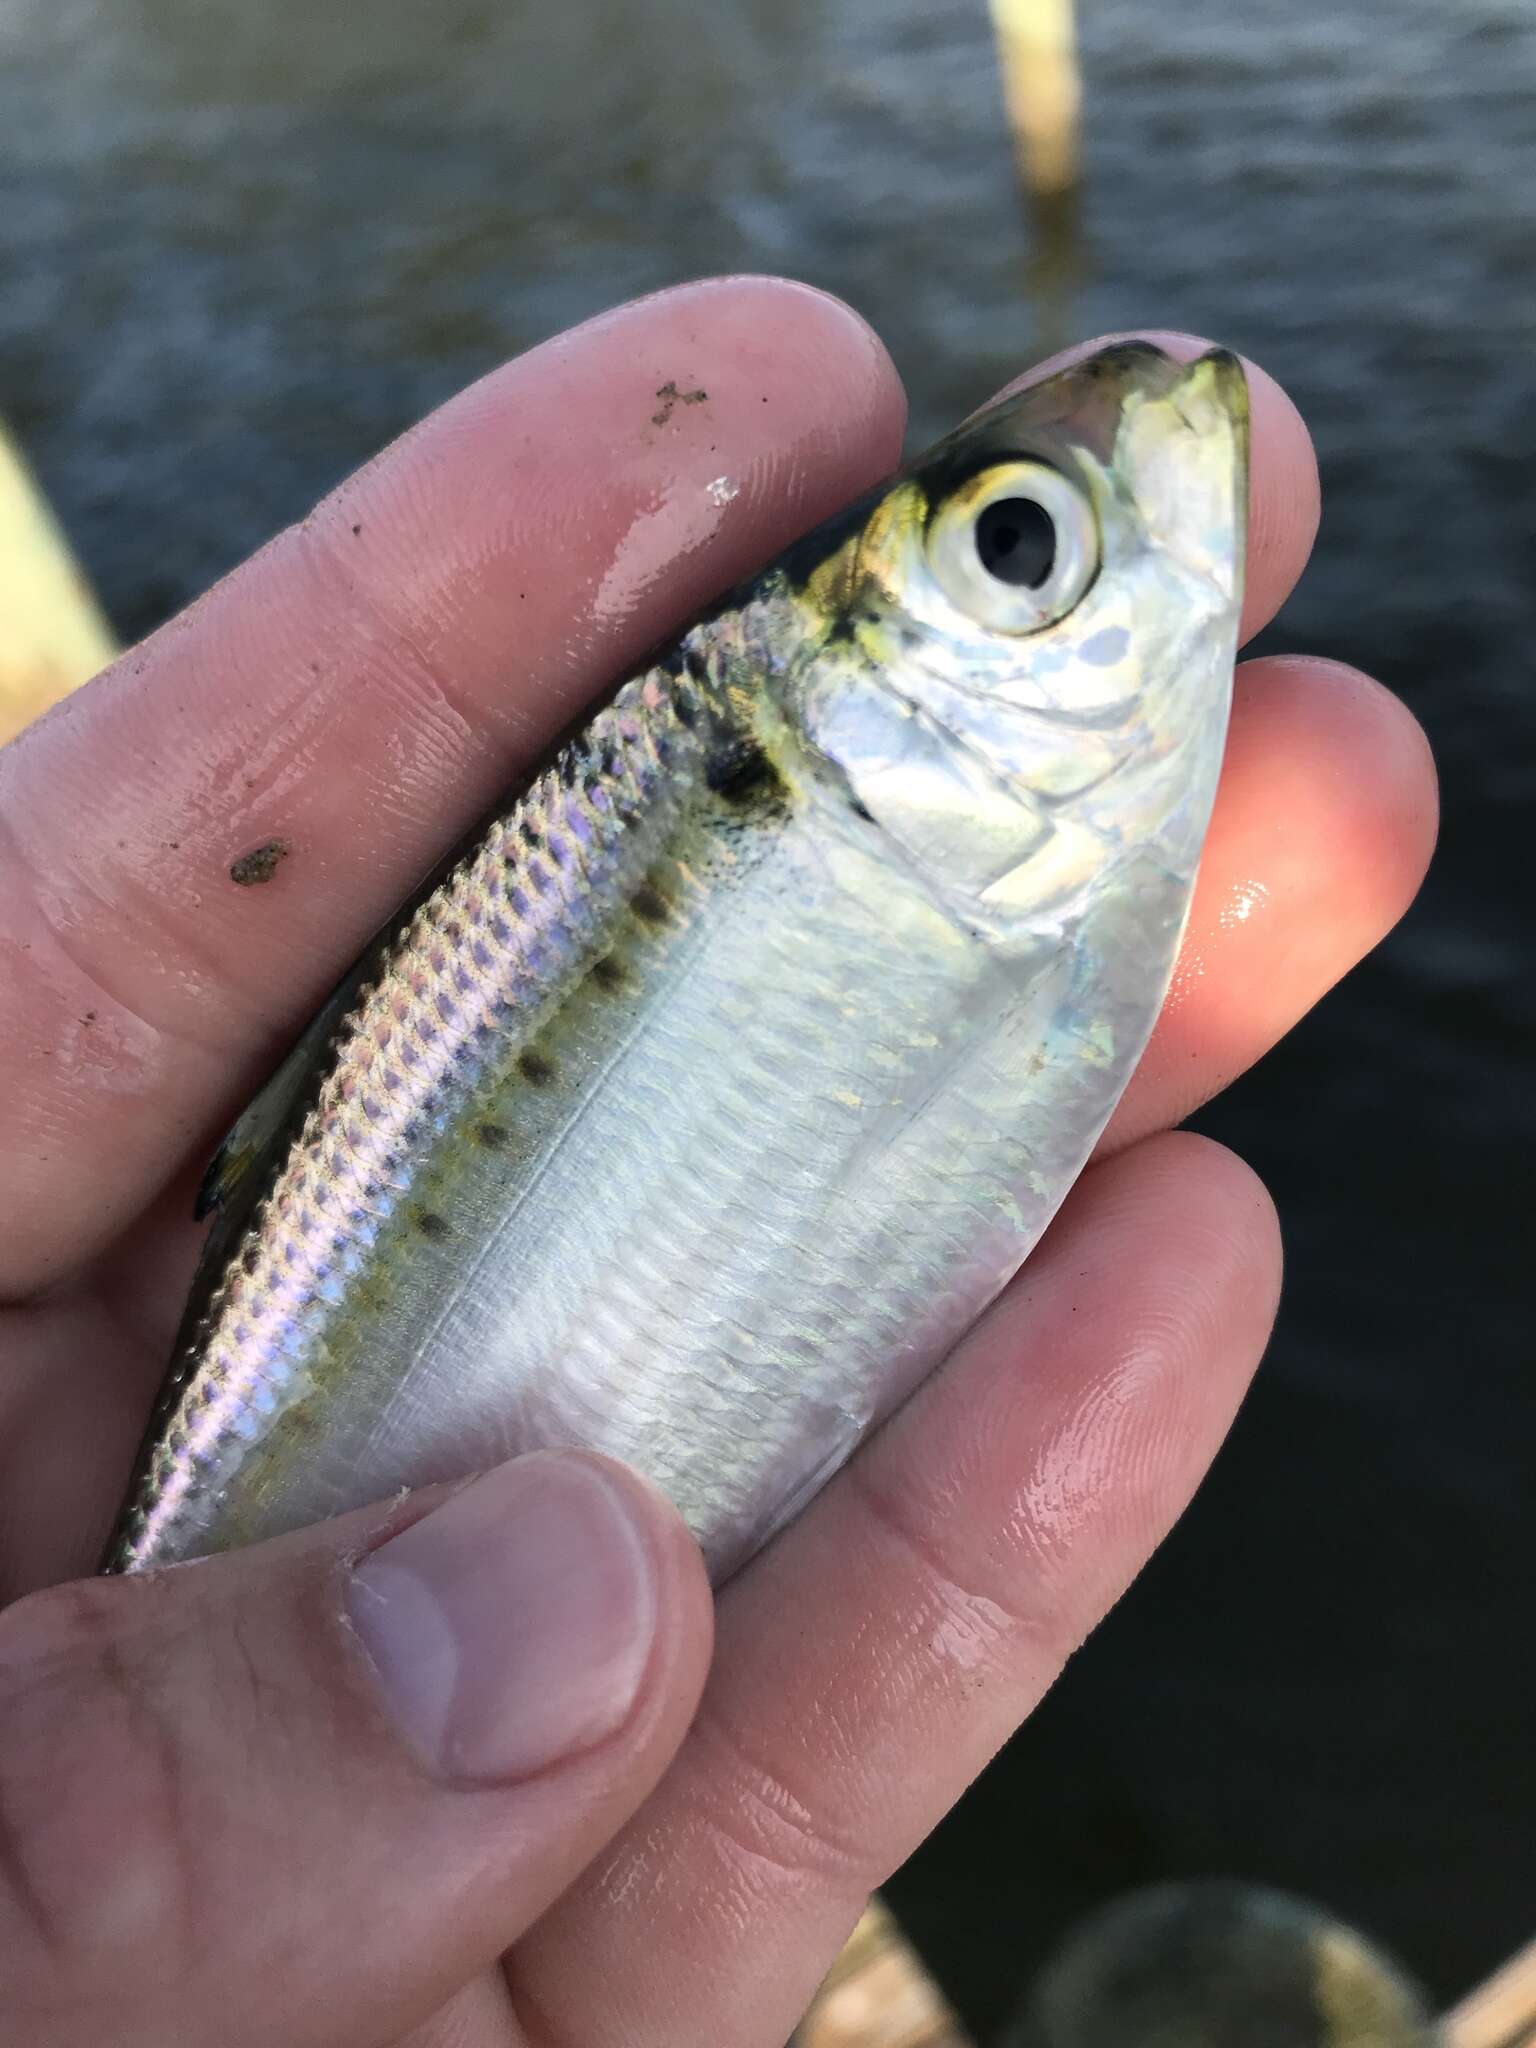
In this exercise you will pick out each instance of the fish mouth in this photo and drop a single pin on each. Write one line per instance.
(1228, 382)
(1180, 452)
(1221, 373)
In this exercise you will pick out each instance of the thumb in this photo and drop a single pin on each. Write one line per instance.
(301, 1793)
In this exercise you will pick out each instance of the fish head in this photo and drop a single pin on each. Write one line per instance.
(1019, 652)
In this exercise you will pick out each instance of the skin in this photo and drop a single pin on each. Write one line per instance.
(195, 1766)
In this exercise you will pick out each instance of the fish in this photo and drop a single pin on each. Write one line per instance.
(696, 1107)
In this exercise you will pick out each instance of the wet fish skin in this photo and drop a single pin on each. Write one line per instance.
(727, 1078)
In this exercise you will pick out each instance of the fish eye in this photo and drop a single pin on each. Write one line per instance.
(1015, 547)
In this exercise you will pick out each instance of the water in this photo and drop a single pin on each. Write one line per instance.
(243, 246)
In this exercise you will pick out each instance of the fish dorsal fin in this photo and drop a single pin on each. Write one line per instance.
(275, 1111)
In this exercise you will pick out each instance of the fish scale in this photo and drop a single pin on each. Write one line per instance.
(712, 1093)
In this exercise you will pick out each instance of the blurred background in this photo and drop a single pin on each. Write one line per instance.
(241, 245)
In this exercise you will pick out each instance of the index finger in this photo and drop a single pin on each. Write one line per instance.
(333, 715)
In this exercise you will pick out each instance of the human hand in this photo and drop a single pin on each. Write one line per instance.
(440, 1771)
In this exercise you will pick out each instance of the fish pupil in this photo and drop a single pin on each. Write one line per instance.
(1016, 542)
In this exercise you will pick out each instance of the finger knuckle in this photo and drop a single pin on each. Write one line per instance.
(767, 1833)
(973, 1598)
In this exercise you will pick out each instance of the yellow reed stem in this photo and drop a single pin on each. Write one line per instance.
(1042, 91)
(878, 1995)
(52, 632)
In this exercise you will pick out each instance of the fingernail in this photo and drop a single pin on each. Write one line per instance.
(510, 1628)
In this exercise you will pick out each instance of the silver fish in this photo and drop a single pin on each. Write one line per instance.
(703, 1103)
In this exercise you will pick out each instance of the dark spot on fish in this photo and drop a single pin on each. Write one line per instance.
(570, 768)
(89, 1017)
(1105, 647)
(250, 1259)
(260, 864)
(697, 667)
(493, 1136)
(535, 1068)
(649, 903)
(840, 630)
(609, 973)
(740, 772)
(357, 529)
(685, 710)
(861, 810)
(671, 398)
(532, 833)
(671, 663)
(431, 1224)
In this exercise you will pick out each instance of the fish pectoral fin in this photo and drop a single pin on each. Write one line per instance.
(1066, 859)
